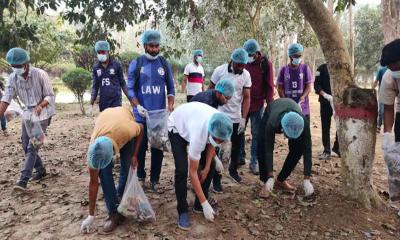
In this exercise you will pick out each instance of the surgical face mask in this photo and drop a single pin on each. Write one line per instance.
(151, 57)
(102, 57)
(199, 59)
(213, 142)
(251, 59)
(296, 61)
(396, 74)
(19, 71)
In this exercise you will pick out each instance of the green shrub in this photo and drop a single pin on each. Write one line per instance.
(126, 57)
(78, 81)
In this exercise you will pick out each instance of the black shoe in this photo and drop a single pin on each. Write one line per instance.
(336, 151)
(235, 176)
(325, 156)
(20, 186)
(217, 187)
(197, 210)
(39, 176)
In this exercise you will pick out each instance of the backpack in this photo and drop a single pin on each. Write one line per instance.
(139, 63)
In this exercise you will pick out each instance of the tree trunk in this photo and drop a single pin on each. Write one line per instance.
(82, 106)
(356, 109)
(391, 19)
(351, 39)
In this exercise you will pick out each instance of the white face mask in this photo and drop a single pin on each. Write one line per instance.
(102, 57)
(213, 142)
(396, 74)
(251, 59)
(150, 57)
(199, 59)
(296, 61)
(18, 71)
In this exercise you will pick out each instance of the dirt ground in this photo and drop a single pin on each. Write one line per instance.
(55, 207)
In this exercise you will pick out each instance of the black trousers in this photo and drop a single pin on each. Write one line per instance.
(189, 97)
(397, 127)
(236, 148)
(179, 151)
(326, 117)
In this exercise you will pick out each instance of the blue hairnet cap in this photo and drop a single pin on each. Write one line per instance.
(100, 153)
(225, 87)
(17, 56)
(292, 124)
(251, 46)
(197, 52)
(239, 55)
(102, 46)
(151, 36)
(295, 48)
(220, 126)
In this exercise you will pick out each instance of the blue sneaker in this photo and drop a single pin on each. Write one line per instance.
(184, 221)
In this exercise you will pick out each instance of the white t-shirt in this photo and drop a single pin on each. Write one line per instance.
(389, 90)
(234, 106)
(195, 74)
(190, 120)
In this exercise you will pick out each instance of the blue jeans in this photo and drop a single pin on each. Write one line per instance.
(380, 114)
(255, 118)
(157, 156)
(3, 122)
(112, 195)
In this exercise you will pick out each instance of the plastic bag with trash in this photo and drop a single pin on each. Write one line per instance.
(157, 129)
(33, 128)
(392, 159)
(13, 111)
(134, 203)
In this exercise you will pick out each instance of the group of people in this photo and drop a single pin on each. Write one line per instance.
(238, 92)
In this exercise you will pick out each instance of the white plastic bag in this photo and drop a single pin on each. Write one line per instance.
(392, 159)
(33, 128)
(134, 203)
(157, 129)
(13, 111)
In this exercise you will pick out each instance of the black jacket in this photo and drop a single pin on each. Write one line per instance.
(322, 82)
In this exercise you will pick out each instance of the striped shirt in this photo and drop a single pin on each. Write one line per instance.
(31, 91)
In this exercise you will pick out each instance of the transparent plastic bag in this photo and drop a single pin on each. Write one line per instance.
(13, 111)
(33, 128)
(134, 203)
(157, 129)
(392, 159)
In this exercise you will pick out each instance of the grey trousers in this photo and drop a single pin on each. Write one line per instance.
(32, 159)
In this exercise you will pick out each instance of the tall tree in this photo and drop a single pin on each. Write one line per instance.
(391, 19)
(356, 109)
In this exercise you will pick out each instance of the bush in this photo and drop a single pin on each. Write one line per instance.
(78, 81)
(84, 56)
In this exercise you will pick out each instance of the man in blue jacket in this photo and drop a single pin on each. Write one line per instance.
(149, 81)
(108, 77)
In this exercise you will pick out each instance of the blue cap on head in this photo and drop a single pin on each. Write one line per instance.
(151, 37)
(220, 126)
(295, 48)
(292, 124)
(225, 87)
(251, 46)
(239, 55)
(100, 153)
(17, 56)
(197, 52)
(102, 46)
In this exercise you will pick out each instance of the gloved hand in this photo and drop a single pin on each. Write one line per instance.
(141, 110)
(269, 185)
(242, 126)
(219, 167)
(308, 187)
(328, 97)
(208, 211)
(386, 140)
(86, 224)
